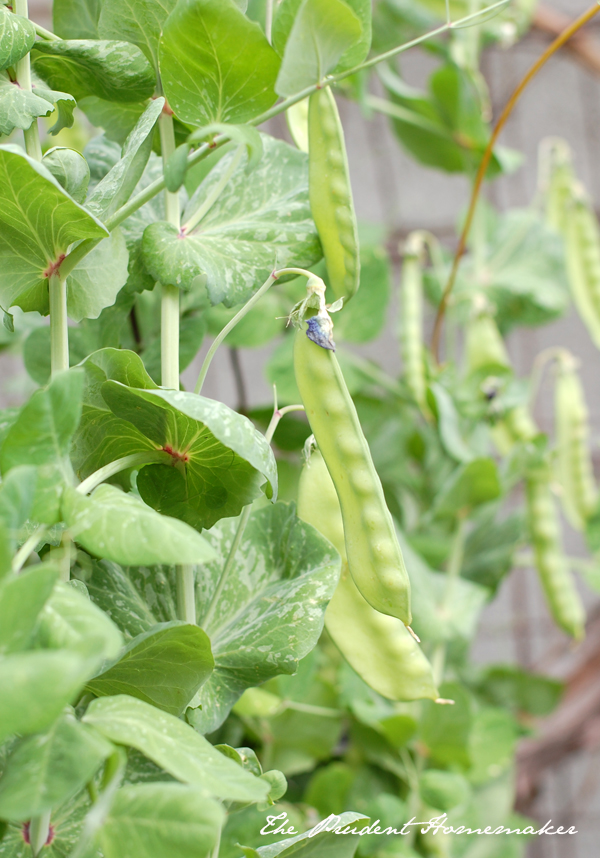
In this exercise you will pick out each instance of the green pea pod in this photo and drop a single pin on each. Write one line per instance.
(411, 325)
(374, 556)
(484, 345)
(562, 596)
(379, 648)
(583, 264)
(331, 195)
(574, 464)
(559, 184)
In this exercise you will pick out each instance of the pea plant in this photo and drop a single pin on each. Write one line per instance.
(189, 665)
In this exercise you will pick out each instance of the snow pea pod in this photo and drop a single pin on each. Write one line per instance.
(374, 556)
(583, 263)
(330, 194)
(379, 648)
(411, 327)
(562, 597)
(574, 463)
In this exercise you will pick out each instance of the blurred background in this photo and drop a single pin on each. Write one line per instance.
(559, 769)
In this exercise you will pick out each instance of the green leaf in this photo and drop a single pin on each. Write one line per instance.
(70, 169)
(519, 690)
(245, 135)
(39, 221)
(41, 436)
(115, 71)
(161, 821)
(445, 730)
(490, 547)
(164, 666)
(469, 486)
(21, 600)
(270, 613)
(133, 609)
(443, 790)
(117, 185)
(76, 19)
(215, 64)
(17, 493)
(138, 21)
(63, 103)
(70, 621)
(97, 280)
(323, 30)
(17, 37)
(115, 118)
(224, 460)
(325, 843)
(287, 10)
(449, 424)
(19, 107)
(36, 686)
(66, 825)
(492, 744)
(174, 746)
(123, 529)
(46, 770)
(260, 221)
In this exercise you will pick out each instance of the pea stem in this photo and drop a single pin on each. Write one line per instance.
(186, 594)
(216, 192)
(27, 548)
(269, 21)
(23, 70)
(134, 460)
(59, 331)
(45, 34)
(455, 563)
(230, 326)
(39, 828)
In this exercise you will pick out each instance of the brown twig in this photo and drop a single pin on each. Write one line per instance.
(582, 45)
(487, 155)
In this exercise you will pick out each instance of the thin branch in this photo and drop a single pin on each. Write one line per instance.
(487, 155)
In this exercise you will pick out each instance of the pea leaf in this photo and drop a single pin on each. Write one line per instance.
(63, 103)
(215, 64)
(46, 770)
(41, 436)
(39, 222)
(19, 107)
(259, 221)
(21, 600)
(97, 280)
(491, 744)
(469, 486)
(224, 459)
(365, 316)
(76, 19)
(323, 30)
(519, 690)
(137, 21)
(122, 528)
(313, 846)
(445, 730)
(170, 820)
(164, 666)
(115, 71)
(57, 678)
(17, 37)
(71, 621)
(133, 608)
(17, 494)
(449, 424)
(270, 613)
(70, 169)
(174, 746)
(116, 186)
(285, 15)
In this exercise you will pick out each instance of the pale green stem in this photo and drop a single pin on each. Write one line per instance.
(39, 828)
(135, 460)
(216, 192)
(217, 847)
(243, 521)
(135, 203)
(59, 330)
(45, 34)
(309, 709)
(63, 557)
(23, 71)
(269, 20)
(170, 294)
(229, 327)
(27, 548)
(186, 594)
(452, 575)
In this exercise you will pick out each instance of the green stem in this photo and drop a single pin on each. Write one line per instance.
(170, 294)
(27, 548)
(135, 203)
(59, 331)
(45, 34)
(230, 326)
(23, 71)
(216, 192)
(277, 415)
(135, 460)
(217, 847)
(186, 594)
(452, 575)
(269, 20)
(39, 828)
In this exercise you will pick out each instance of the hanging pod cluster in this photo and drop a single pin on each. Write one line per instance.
(573, 459)
(378, 647)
